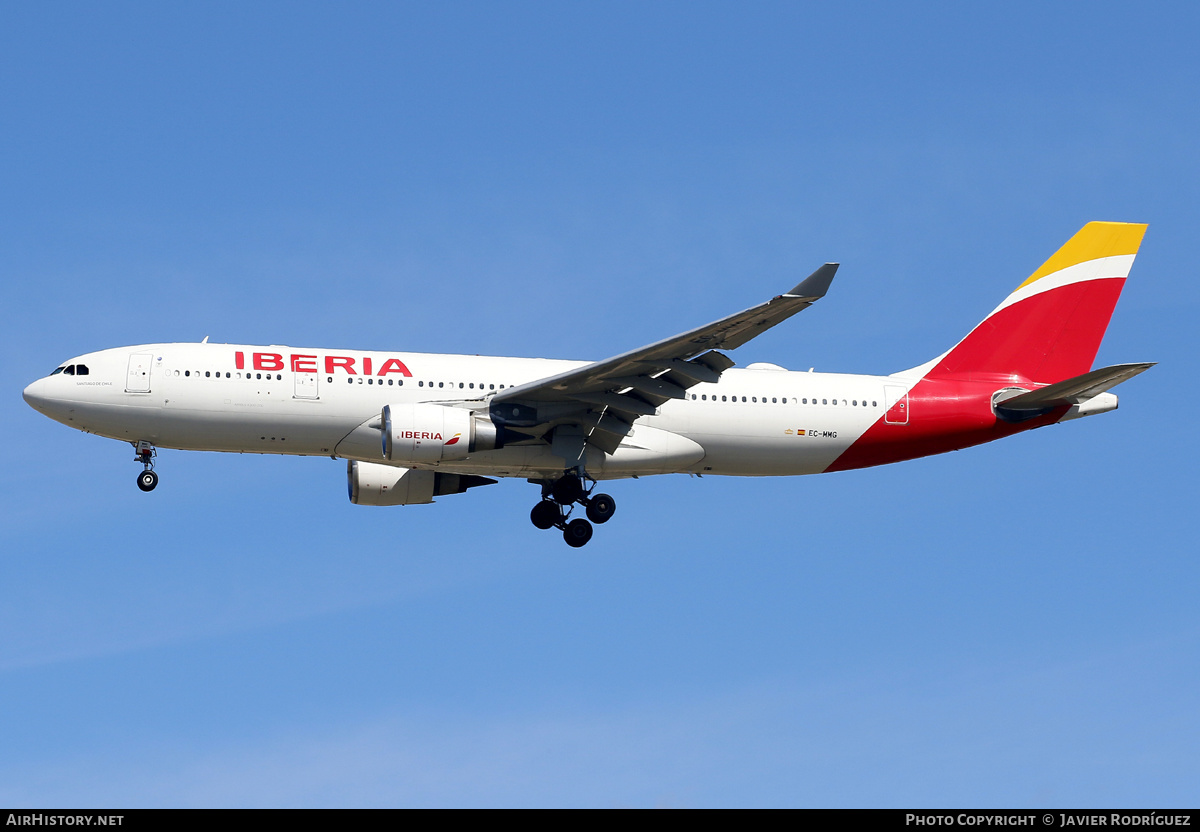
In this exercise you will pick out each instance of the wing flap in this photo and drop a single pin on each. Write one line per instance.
(623, 404)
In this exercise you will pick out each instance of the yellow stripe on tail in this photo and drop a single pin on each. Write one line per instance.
(1094, 240)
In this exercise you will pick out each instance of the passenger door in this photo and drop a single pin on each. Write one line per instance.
(305, 385)
(896, 399)
(138, 378)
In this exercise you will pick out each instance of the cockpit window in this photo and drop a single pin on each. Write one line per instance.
(81, 369)
(70, 370)
(58, 370)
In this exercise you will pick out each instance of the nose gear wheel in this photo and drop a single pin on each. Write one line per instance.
(145, 453)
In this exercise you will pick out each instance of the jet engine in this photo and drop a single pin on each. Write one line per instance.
(372, 484)
(432, 433)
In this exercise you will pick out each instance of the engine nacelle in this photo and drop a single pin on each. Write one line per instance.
(372, 484)
(432, 433)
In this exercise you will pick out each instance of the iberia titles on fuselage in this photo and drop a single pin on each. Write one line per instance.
(414, 426)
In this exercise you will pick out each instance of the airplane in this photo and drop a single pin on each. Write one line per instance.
(415, 426)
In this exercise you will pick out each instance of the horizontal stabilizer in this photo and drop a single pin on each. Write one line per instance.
(1073, 390)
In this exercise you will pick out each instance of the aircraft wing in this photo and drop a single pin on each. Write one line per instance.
(604, 398)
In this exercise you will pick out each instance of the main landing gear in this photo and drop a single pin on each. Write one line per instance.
(145, 455)
(558, 501)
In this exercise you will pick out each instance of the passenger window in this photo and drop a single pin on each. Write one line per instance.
(493, 387)
(329, 379)
(754, 399)
(722, 398)
(472, 385)
(441, 384)
(206, 375)
(704, 397)
(349, 380)
(420, 384)
(743, 398)
(370, 381)
(854, 403)
(873, 404)
(389, 382)
(279, 376)
(773, 400)
(460, 384)
(187, 373)
(824, 401)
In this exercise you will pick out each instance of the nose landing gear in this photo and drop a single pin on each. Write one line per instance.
(558, 500)
(145, 454)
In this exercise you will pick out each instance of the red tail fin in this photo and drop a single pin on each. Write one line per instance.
(1050, 328)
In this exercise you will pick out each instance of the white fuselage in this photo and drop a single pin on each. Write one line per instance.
(277, 399)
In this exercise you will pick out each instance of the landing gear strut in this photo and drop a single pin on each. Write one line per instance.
(145, 455)
(558, 501)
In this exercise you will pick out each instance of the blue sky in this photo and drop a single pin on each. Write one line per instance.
(1012, 625)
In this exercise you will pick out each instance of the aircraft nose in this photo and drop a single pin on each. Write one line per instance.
(35, 395)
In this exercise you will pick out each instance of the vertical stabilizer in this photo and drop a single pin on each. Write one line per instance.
(1050, 328)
